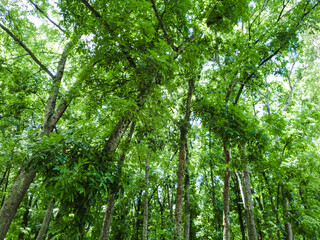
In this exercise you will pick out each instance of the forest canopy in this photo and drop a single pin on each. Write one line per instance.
(157, 119)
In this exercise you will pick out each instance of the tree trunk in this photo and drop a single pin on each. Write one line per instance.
(26, 176)
(187, 199)
(14, 199)
(46, 222)
(26, 217)
(248, 205)
(287, 225)
(226, 190)
(138, 222)
(104, 235)
(105, 230)
(183, 140)
(146, 201)
(5, 188)
(239, 208)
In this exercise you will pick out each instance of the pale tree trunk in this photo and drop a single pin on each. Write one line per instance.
(226, 192)
(181, 171)
(26, 176)
(46, 222)
(248, 205)
(287, 225)
(239, 203)
(186, 232)
(146, 201)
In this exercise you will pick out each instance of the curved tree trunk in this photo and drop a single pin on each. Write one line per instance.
(51, 117)
(46, 222)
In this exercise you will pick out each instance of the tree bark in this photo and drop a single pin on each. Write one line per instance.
(146, 201)
(46, 222)
(26, 176)
(5, 188)
(186, 232)
(248, 205)
(14, 199)
(105, 230)
(287, 225)
(239, 208)
(226, 191)
(107, 219)
(26, 217)
(183, 140)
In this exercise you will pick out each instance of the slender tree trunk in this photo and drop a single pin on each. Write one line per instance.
(187, 199)
(161, 206)
(183, 140)
(138, 223)
(107, 218)
(4, 175)
(226, 191)
(239, 208)
(287, 225)
(5, 188)
(26, 217)
(248, 205)
(46, 222)
(146, 201)
(170, 202)
(277, 213)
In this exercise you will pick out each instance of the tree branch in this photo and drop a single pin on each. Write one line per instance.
(28, 51)
(37, 7)
(95, 13)
(174, 48)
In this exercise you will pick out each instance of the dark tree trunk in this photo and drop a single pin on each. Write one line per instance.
(183, 141)
(138, 216)
(5, 187)
(26, 217)
(46, 222)
(226, 191)
(187, 199)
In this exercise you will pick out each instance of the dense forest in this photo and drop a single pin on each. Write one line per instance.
(159, 119)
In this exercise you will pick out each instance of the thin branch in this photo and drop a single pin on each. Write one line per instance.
(95, 13)
(28, 51)
(163, 27)
(37, 7)
(252, 74)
